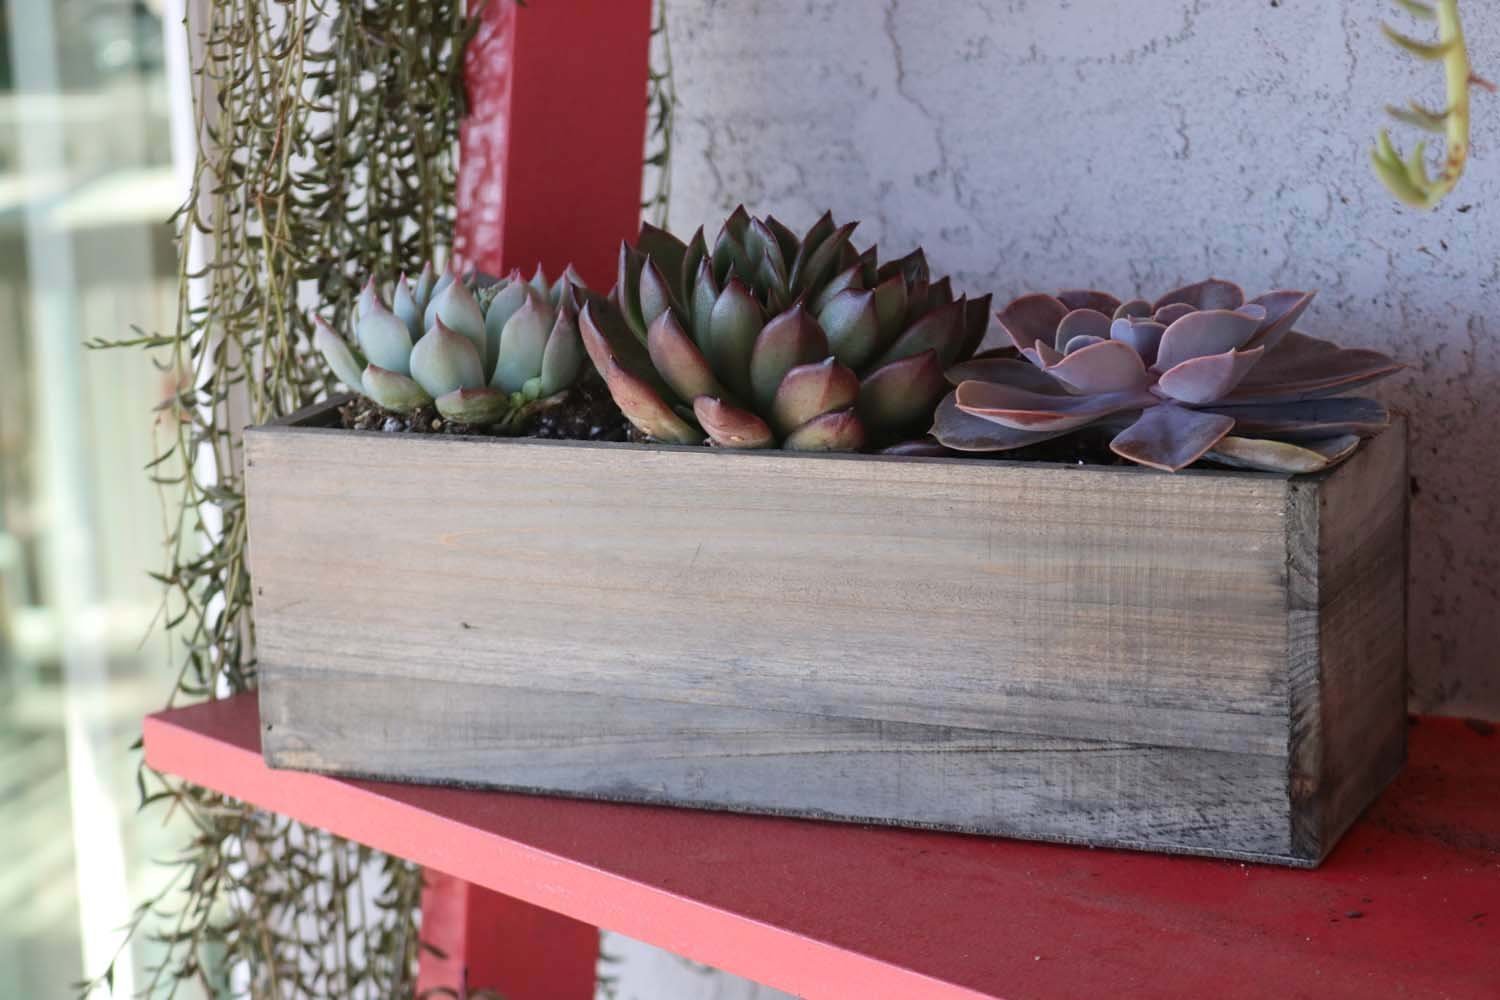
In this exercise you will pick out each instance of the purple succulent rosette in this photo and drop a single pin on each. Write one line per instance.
(1199, 373)
(774, 340)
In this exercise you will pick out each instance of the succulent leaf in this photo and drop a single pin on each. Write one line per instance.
(852, 324)
(368, 296)
(667, 250)
(1026, 410)
(1210, 331)
(656, 294)
(790, 339)
(1209, 378)
(731, 427)
(1283, 456)
(1032, 318)
(679, 361)
(474, 406)
(1089, 298)
(1167, 315)
(1134, 309)
(891, 303)
(1103, 366)
(840, 430)
(628, 288)
(562, 360)
(506, 302)
(643, 406)
(1303, 367)
(844, 280)
(941, 330)
(456, 307)
(810, 391)
(444, 360)
(902, 393)
(962, 431)
(1212, 293)
(735, 322)
(705, 294)
(1308, 419)
(404, 304)
(523, 341)
(1144, 335)
(393, 390)
(384, 339)
(337, 353)
(1170, 437)
(1283, 309)
(1011, 371)
(1085, 322)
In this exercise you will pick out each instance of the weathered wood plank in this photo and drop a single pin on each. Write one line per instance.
(1082, 602)
(746, 759)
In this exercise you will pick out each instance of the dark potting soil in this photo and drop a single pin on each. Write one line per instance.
(587, 413)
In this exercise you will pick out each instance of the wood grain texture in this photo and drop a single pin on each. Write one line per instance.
(1106, 654)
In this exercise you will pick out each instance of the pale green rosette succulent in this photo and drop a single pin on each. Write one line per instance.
(479, 349)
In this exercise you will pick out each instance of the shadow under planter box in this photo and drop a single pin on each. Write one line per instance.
(1209, 662)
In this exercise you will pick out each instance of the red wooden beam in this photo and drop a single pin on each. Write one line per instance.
(1408, 905)
(550, 155)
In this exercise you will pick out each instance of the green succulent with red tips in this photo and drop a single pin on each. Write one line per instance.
(769, 339)
(477, 349)
(1199, 373)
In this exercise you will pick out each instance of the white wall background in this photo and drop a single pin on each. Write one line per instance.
(1135, 145)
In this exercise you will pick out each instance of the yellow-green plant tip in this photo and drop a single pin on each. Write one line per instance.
(532, 389)
(1419, 117)
(1432, 51)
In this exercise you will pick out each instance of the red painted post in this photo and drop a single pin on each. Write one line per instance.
(496, 942)
(549, 172)
(550, 155)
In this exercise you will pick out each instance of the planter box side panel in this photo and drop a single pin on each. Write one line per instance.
(1347, 536)
(749, 760)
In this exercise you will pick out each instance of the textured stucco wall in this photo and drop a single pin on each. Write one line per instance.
(1037, 144)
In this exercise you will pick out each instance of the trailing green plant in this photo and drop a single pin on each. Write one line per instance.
(476, 348)
(1199, 372)
(771, 339)
(1407, 177)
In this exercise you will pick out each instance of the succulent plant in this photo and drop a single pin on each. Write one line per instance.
(771, 339)
(1199, 372)
(477, 348)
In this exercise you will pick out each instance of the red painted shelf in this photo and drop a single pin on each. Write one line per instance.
(1408, 906)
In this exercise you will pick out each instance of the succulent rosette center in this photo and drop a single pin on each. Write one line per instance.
(775, 340)
(1200, 372)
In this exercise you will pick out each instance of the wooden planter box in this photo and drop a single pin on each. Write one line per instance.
(1208, 662)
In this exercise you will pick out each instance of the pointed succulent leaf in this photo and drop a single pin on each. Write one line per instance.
(848, 278)
(667, 251)
(456, 307)
(679, 361)
(976, 323)
(912, 268)
(393, 390)
(1143, 335)
(507, 301)
(1035, 411)
(1032, 318)
(814, 266)
(1283, 456)
(1213, 293)
(404, 304)
(785, 238)
(810, 391)
(962, 431)
(562, 360)
(1088, 298)
(734, 323)
(540, 284)
(814, 237)
(1209, 378)
(607, 338)
(941, 330)
(692, 258)
(1007, 371)
(705, 294)
(1170, 437)
(1308, 419)
(474, 406)
(523, 341)
(656, 294)
(336, 352)
(841, 430)
(368, 296)
(1103, 366)
(1206, 332)
(790, 339)
(764, 245)
(731, 427)
(852, 322)
(891, 301)
(1134, 309)
(1283, 309)
(1042, 354)
(448, 276)
(642, 405)
(1085, 322)
(384, 339)
(421, 292)
(1303, 367)
(628, 288)
(902, 394)
(444, 360)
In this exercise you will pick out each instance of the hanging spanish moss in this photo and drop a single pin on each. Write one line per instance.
(328, 133)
